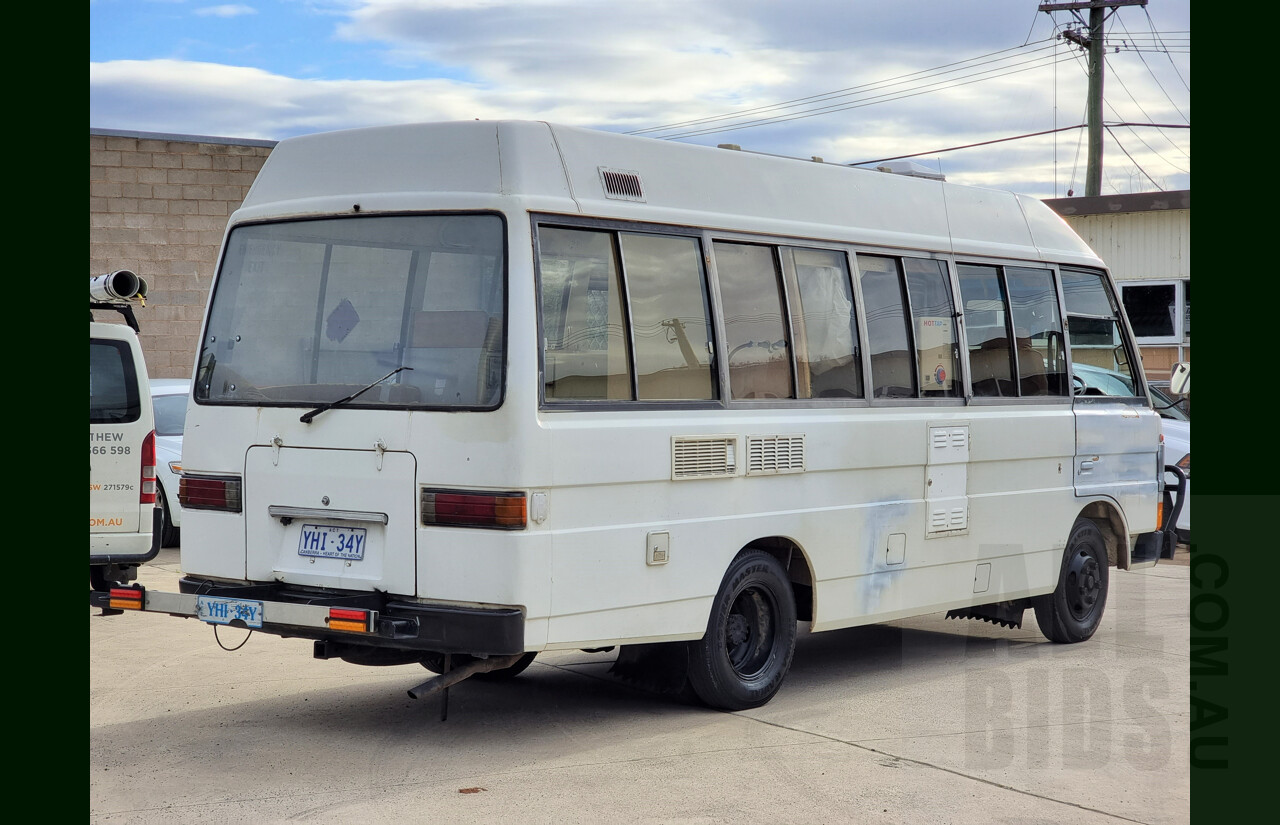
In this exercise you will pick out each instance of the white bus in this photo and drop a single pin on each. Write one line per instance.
(471, 391)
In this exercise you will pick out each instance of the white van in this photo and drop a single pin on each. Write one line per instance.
(470, 391)
(122, 440)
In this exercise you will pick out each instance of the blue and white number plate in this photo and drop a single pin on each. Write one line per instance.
(218, 610)
(328, 541)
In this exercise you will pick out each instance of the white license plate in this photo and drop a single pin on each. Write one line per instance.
(328, 541)
(218, 610)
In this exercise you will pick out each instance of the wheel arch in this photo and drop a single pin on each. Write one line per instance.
(1109, 518)
(799, 569)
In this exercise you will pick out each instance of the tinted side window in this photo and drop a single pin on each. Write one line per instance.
(892, 370)
(987, 330)
(759, 361)
(1037, 330)
(824, 324)
(584, 337)
(666, 286)
(113, 384)
(1096, 336)
(933, 316)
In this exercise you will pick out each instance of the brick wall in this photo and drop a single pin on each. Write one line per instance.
(158, 205)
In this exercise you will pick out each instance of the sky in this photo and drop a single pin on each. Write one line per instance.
(850, 81)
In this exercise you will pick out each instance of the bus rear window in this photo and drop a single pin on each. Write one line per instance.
(308, 312)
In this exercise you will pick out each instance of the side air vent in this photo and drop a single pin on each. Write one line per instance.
(775, 454)
(621, 184)
(705, 457)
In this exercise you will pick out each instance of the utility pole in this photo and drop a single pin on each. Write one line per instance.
(1095, 43)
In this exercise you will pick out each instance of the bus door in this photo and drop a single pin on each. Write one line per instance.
(1117, 434)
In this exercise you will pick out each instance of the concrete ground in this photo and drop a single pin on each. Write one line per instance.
(926, 720)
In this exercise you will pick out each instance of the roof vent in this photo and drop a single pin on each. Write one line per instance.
(909, 168)
(621, 184)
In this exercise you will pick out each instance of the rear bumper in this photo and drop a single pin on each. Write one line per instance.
(127, 548)
(293, 613)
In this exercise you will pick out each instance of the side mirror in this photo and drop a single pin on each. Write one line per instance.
(1180, 379)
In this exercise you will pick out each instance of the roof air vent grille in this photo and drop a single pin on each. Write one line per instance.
(621, 184)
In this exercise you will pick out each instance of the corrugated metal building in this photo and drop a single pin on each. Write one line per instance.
(1145, 238)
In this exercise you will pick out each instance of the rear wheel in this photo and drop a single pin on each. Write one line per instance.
(751, 635)
(434, 662)
(1073, 611)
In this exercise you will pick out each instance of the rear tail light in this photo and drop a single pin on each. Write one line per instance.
(355, 621)
(210, 493)
(459, 508)
(126, 598)
(148, 485)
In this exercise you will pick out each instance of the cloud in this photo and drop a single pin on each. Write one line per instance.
(229, 10)
(812, 78)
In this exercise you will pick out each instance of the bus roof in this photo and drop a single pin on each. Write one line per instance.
(571, 170)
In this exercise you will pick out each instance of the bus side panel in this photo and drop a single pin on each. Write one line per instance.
(1020, 509)
(1116, 446)
(857, 512)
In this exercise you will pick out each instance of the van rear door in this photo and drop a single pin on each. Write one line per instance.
(331, 518)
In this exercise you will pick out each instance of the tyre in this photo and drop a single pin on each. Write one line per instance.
(751, 636)
(434, 662)
(1073, 611)
(169, 533)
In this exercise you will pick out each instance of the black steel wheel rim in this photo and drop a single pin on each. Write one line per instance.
(1083, 585)
(749, 631)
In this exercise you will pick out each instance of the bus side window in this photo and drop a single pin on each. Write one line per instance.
(1094, 323)
(585, 347)
(671, 327)
(933, 313)
(1033, 301)
(824, 324)
(987, 330)
(756, 337)
(892, 368)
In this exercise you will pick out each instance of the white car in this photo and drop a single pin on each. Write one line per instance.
(169, 400)
(1176, 426)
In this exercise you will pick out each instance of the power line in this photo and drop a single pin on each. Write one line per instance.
(1130, 157)
(970, 145)
(965, 80)
(939, 71)
(1152, 25)
(1153, 77)
(1014, 137)
(1144, 111)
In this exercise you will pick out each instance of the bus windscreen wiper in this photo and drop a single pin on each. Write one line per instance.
(306, 417)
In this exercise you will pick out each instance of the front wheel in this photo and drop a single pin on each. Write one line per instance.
(741, 661)
(1073, 611)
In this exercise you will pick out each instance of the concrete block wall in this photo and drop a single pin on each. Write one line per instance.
(158, 205)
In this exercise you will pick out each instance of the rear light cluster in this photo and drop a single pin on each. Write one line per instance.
(355, 621)
(461, 508)
(148, 485)
(210, 493)
(126, 598)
